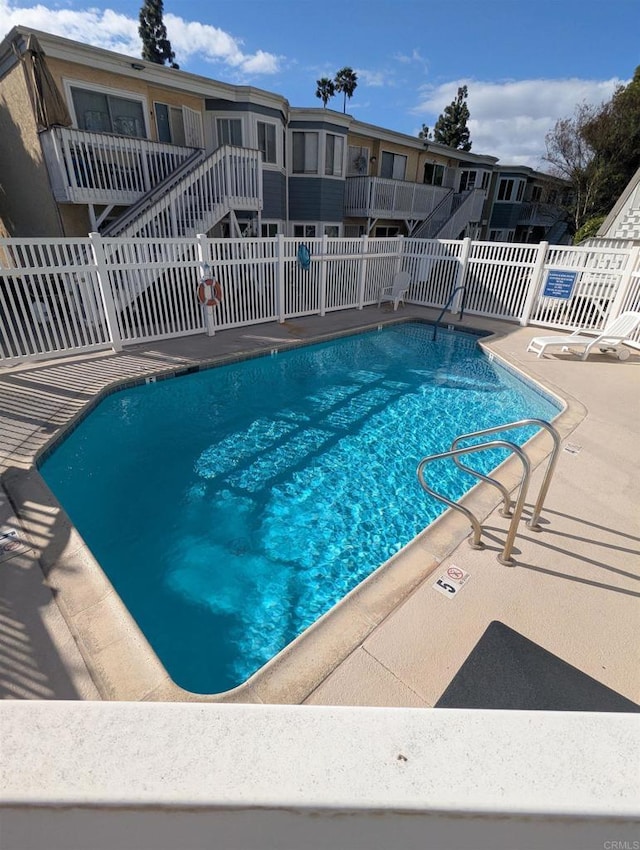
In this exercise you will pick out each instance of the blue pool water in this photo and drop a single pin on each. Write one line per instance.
(232, 507)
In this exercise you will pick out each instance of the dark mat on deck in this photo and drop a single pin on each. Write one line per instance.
(508, 671)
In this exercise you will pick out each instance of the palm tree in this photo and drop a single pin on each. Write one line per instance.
(326, 89)
(346, 81)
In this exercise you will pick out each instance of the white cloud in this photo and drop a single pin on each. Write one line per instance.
(372, 78)
(113, 31)
(413, 58)
(510, 119)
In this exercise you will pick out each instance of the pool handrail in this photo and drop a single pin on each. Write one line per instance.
(475, 542)
(533, 523)
(447, 305)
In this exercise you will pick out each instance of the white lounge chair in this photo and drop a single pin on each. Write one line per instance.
(610, 339)
(396, 291)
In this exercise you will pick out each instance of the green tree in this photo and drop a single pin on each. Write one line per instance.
(346, 81)
(451, 127)
(326, 90)
(425, 134)
(156, 47)
(572, 158)
(598, 151)
(589, 228)
(613, 133)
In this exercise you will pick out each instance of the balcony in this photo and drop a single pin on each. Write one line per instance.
(379, 197)
(537, 214)
(100, 168)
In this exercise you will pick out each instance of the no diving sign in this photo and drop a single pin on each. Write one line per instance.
(452, 581)
(10, 544)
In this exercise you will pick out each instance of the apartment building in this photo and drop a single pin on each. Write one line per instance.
(98, 141)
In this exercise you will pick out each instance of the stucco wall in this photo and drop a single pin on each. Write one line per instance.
(70, 71)
(27, 207)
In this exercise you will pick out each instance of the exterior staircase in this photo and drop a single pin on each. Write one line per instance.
(196, 196)
(191, 200)
(452, 215)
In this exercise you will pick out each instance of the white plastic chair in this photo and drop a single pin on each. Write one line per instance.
(610, 339)
(396, 291)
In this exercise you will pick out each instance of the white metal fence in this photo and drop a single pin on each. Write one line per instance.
(64, 296)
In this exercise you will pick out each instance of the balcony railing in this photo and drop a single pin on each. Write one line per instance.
(100, 168)
(535, 213)
(379, 197)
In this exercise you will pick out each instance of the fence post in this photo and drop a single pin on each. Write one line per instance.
(323, 275)
(280, 280)
(363, 270)
(400, 239)
(205, 270)
(108, 303)
(462, 271)
(625, 282)
(534, 283)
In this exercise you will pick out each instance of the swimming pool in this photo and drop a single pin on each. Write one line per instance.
(233, 507)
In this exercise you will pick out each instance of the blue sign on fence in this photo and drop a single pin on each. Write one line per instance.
(559, 284)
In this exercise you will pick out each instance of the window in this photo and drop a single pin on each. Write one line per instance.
(229, 131)
(268, 228)
(304, 231)
(332, 230)
(357, 161)
(433, 174)
(305, 153)
(170, 124)
(505, 190)
(333, 155)
(536, 194)
(394, 166)
(108, 113)
(267, 141)
(510, 189)
(387, 232)
(473, 180)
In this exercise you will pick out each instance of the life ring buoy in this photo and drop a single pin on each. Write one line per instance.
(209, 293)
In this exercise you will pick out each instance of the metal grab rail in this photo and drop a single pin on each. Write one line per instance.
(447, 305)
(532, 523)
(476, 543)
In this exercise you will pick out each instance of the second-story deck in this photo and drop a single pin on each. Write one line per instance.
(102, 168)
(176, 190)
(379, 197)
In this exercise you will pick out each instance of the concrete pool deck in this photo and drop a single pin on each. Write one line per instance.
(574, 590)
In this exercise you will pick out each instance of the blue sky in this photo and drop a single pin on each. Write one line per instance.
(526, 64)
